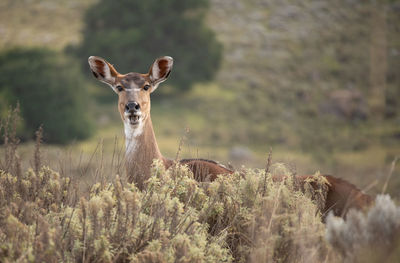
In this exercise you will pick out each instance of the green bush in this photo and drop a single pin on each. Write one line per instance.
(50, 91)
(132, 34)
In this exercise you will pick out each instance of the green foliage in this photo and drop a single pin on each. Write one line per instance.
(50, 91)
(132, 34)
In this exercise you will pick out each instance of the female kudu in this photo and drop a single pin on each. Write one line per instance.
(134, 91)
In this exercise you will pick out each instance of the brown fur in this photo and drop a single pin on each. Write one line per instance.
(205, 170)
(340, 196)
(164, 70)
(138, 164)
(343, 195)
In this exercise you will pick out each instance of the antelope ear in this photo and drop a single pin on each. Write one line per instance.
(102, 70)
(160, 71)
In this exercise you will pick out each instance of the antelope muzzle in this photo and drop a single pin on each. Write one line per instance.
(133, 112)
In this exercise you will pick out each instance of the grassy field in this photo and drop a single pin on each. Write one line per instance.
(71, 203)
(92, 214)
(176, 122)
(205, 118)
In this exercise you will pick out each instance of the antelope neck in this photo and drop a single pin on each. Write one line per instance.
(141, 142)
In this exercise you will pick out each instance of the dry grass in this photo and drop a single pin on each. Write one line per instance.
(46, 216)
(368, 237)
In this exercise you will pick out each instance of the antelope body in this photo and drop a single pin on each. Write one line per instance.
(134, 91)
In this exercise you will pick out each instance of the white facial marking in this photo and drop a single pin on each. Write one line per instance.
(131, 135)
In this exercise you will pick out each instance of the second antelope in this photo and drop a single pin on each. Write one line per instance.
(134, 91)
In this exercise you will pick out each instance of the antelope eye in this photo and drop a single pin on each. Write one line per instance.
(146, 87)
(119, 88)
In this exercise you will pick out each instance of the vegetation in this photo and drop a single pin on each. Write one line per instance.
(317, 81)
(368, 237)
(48, 87)
(325, 68)
(133, 33)
(294, 76)
(249, 218)
(41, 23)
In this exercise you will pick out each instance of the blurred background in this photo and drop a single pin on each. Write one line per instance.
(317, 81)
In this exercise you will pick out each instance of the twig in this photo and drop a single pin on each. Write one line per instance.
(267, 167)
(180, 145)
(275, 207)
(392, 166)
(37, 156)
(179, 149)
(84, 171)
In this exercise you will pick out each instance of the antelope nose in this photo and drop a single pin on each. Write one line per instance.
(132, 106)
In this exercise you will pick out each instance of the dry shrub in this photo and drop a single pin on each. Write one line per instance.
(241, 217)
(43, 218)
(8, 131)
(248, 216)
(28, 204)
(117, 223)
(175, 219)
(372, 236)
(280, 224)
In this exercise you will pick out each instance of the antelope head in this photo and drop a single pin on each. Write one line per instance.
(133, 89)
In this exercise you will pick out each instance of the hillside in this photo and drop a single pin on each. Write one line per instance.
(305, 88)
(288, 70)
(311, 77)
(41, 22)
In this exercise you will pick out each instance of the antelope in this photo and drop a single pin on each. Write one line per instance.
(134, 89)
